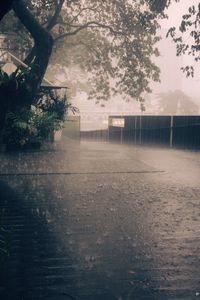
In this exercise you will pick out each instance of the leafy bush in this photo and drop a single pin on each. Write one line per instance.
(27, 127)
(51, 101)
(16, 87)
(27, 122)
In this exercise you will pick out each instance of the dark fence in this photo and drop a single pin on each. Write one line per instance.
(169, 131)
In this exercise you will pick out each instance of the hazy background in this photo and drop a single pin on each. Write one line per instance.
(175, 94)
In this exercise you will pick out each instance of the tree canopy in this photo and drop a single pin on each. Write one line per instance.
(115, 41)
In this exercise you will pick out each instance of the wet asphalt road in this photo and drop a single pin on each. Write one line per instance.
(97, 221)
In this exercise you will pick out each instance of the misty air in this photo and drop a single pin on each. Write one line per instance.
(99, 150)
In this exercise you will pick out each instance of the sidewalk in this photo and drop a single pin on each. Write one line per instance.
(97, 221)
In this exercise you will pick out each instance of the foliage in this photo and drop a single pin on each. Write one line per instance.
(115, 48)
(26, 123)
(187, 37)
(158, 5)
(50, 101)
(29, 128)
(29, 125)
(113, 41)
(26, 127)
(72, 108)
(16, 87)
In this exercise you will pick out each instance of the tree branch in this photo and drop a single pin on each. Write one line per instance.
(90, 24)
(80, 12)
(54, 18)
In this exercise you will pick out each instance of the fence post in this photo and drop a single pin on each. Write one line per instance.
(135, 136)
(121, 135)
(140, 132)
(109, 123)
(171, 131)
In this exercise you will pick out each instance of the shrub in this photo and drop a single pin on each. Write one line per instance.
(27, 122)
(29, 126)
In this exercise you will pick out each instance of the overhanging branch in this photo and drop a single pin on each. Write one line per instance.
(90, 24)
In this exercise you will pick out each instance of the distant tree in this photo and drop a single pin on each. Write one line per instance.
(176, 102)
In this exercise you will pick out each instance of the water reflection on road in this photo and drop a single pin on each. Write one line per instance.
(107, 221)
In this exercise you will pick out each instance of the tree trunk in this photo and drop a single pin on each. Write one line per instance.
(5, 7)
(43, 47)
(43, 43)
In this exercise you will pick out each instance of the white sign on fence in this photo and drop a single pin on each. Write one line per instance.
(118, 122)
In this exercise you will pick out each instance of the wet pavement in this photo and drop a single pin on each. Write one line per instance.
(99, 221)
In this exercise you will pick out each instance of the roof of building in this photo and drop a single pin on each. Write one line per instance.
(10, 66)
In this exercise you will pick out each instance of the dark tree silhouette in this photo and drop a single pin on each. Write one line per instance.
(5, 6)
(14, 94)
